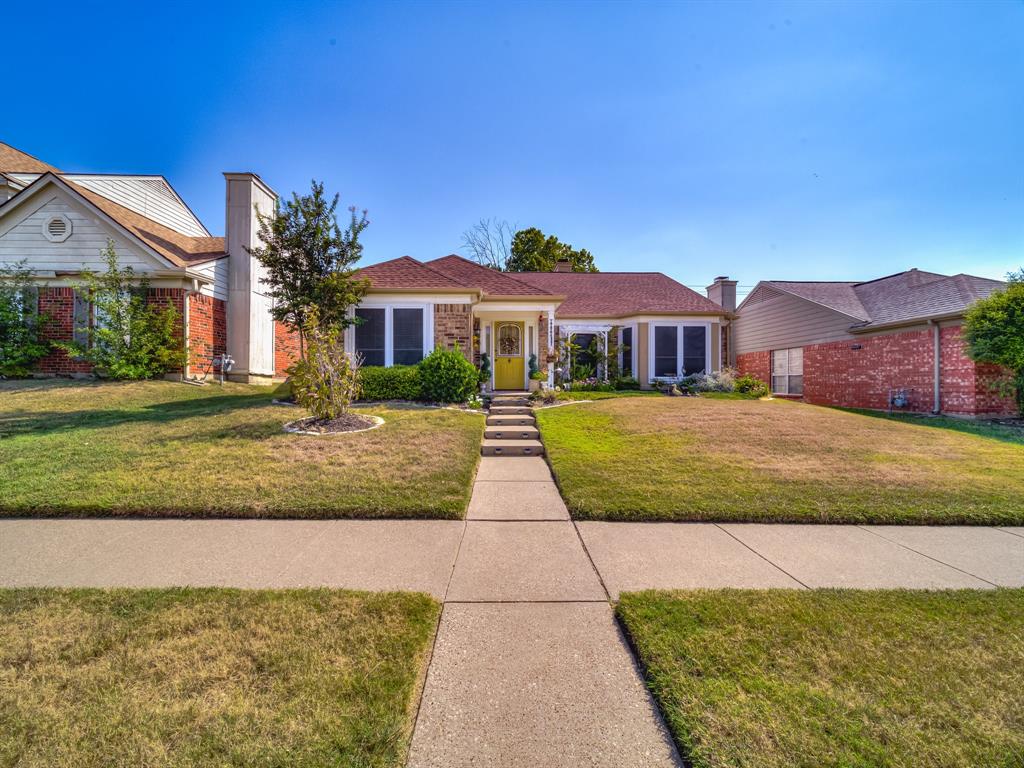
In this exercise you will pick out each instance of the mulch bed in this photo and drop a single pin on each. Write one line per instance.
(350, 422)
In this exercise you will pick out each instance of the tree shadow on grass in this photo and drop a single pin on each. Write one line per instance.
(45, 422)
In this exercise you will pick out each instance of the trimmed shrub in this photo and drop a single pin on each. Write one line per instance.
(722, 381)
(399, 382)
(446, 376)
(750, 385)
(627, 382)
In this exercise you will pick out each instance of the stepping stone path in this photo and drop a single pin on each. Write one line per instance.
(530, 668)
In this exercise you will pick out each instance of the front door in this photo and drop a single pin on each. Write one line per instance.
(508, 356)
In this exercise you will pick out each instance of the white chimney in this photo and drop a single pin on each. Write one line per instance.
(250, 326)
(723, 293)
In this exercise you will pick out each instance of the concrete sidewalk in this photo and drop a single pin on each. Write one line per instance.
(529, 667)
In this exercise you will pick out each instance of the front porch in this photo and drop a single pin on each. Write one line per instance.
(511, 337)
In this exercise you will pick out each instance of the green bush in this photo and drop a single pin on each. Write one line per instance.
(399, 382)
(749, 385)
(325, 381)
(626, 382)
(20, 345)
(446, 376)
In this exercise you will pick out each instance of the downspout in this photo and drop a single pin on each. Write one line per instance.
(937, 358)
(186, 371)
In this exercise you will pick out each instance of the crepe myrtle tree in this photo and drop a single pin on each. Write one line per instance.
(309, 261)
(994, 330)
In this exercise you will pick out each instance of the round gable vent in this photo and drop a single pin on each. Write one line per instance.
(57, 229)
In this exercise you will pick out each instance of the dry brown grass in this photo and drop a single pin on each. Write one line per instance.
(789, 679)
(774, 460)
(209, 677)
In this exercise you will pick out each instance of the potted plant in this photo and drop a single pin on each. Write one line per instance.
(535, 374)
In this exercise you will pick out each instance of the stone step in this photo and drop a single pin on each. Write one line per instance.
(511, 421)
(510, 410)
(511, 448)
(515, 401)
(512, 433)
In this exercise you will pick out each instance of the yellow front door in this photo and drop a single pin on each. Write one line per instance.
(508, 356)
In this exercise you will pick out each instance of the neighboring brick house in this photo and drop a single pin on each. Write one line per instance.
(59, 223)
(895, 341)
(662, 329)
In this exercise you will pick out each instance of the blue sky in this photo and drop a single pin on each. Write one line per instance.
(795, 141)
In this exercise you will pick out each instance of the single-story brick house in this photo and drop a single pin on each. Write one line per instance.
(60, 222)
(662, 329)
(891, 341)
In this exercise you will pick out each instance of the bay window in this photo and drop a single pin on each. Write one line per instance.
(679, 349)
(788, 371)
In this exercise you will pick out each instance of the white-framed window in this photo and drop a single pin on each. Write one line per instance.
(679, 349)
(393, 334)
(788, 371)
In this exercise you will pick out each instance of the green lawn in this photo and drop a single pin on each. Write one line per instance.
(206, 677)
(163, 448)
(700, 458)
(786, 679)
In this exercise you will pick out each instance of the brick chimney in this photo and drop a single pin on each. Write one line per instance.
(563, 265)
(723, 292)
(250, 326)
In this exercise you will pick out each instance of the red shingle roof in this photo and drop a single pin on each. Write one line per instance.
(405, 273)
(491, 281)
(620, 294)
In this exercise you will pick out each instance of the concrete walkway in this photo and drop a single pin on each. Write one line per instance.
(529, 666)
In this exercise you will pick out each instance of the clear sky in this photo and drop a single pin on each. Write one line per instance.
(820, 140)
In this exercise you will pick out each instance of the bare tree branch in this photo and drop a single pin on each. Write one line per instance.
(489, 242)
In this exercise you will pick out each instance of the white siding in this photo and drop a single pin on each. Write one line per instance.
(23, 238)
(218, 270)
(150, 196)
(774, 320)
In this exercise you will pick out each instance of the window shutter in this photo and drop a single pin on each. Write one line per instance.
(80, 319)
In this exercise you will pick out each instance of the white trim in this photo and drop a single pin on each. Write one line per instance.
(424, 296)
(679, 347)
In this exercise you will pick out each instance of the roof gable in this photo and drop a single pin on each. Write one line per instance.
(406, 273)
(165, 243)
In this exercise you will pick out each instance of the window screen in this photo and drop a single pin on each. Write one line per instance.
(627, 352)
(666, 362)
(694, 350)
(407, 328)
(788, 371)
(370, 335)
(583, 355)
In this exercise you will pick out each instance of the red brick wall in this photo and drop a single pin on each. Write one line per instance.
(453, 326)
(967, 387)
(286, 347)
(757, 364)
(207, 331)
(57, 308)
(838, 374)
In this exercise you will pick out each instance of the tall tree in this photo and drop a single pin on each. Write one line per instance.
(489, 242)
(994, 330)
(308, 261)
(533, 251)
